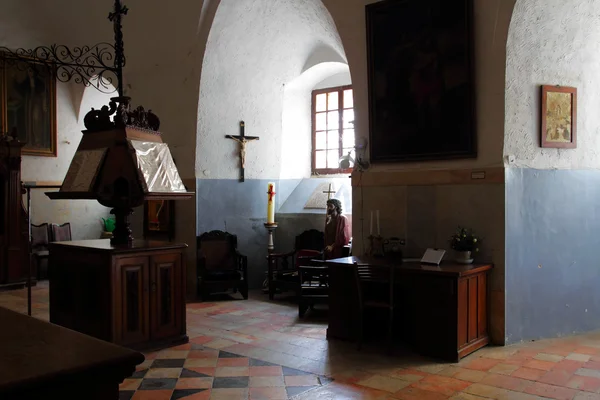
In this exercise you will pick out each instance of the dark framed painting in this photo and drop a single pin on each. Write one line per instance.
(29, 105)
(159, 219)
(559, 117)
(421, 80)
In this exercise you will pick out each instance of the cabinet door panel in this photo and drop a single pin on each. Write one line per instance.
(133, 326)
(166, 311)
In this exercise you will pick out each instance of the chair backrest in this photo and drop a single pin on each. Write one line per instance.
(217, 249)
(61, 233)
(305, 257)
(370, 275)
(40, 235)
(311, 239)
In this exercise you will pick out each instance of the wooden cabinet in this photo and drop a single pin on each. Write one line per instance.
(440, 311)
(14, 242)
(140, 291)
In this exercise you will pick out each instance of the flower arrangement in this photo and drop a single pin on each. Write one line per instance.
(464, 240)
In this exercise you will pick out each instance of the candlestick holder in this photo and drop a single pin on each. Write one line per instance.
(271, 228)
(376, 246)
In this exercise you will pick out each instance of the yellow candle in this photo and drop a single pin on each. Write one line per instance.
(271, 203)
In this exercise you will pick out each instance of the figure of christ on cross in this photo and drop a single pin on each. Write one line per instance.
(242, 140)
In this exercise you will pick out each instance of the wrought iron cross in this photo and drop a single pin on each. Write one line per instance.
(242, 140)
(116, 17)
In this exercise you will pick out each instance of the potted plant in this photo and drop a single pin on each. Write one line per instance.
(464, 243)
(108, 225)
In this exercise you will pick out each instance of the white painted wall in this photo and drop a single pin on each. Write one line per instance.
(341, 79)
(254, 50)
(553, 42)
(84, 216)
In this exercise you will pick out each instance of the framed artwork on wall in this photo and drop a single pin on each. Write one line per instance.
(28, 103)
(159, 219)
(559, 117)
(421, 80)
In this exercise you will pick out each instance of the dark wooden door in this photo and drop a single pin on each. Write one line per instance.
(166, 295)
(133, 324)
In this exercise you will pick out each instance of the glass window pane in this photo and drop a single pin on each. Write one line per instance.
(332, 100)
(348, 100)
(348, 138)
(320, 160)
(321, 121)
(333, 139)
(320, 141)
(348, 118)
(333, 120)
(321, 102)
(333, 158)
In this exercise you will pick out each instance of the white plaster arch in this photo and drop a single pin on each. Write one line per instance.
(296, 118)
(254, 49)
(552, 42)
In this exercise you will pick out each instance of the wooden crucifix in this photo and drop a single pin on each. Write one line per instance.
(242, 140)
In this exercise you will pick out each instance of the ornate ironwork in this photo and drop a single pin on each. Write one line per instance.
(90, 65)
(100, 65)
(99, 120)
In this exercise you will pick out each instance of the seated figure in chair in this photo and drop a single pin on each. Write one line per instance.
(337, 230)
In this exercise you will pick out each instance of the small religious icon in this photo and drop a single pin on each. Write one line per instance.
(242, 140)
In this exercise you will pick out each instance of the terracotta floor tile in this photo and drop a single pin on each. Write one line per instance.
(385, 383)
(441, 384)
(553, 392)
(481, 364)
(412, 393)
(194, 383)
(232, 371)
(152, 395)
(200, 362)
(229, 394)
(592, 364)
(265, 371)
(163, 373)
(556, 377)
(205, 353)
(587, 350)
(504, 369)
(569, 365)
(410, 375)
(506, 382)
(578, 357)
(266, 381)
(233, 362)
(130, 384)
(470, 375)
(586, 383)
(528, 373)
(587, 396)
(548, 357)
(301, 380)
(268, 393)
(538, 364)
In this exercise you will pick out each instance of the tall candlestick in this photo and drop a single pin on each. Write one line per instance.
(271, 203)
(378, 231)
(371, 225)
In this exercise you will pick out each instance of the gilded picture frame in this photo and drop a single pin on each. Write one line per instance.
(28, 103)
(558, 117)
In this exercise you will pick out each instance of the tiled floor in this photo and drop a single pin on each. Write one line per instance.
(257, 349)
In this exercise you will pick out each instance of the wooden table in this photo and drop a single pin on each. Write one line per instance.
(39, 360)
(440, 310)
(132, 296)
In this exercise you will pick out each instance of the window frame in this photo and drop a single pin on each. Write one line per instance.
(340, 89)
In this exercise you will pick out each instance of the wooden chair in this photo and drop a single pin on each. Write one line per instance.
(314, 285)
(40, 238)
(220, 266)
(375, 284)
(282, 271)
(61, 233)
